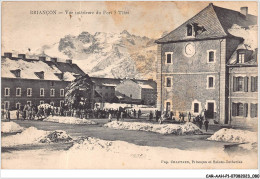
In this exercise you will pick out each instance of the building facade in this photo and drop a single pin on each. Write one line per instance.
(141, 91)
(35, 81)
(105, 88)
(243, 93)
(192, 63)
(125, 90)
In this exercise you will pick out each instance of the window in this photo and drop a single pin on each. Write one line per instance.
(18, 91)
(240, 84)
(7, 104)
(240, 109)
(253, 110)
(41, 102)
(196, 107)
(29, 102)
(61, 92)
(168, 57)
(254, 84)
(189, 30)
(7, 91)
(168, 81)
(41, 91)
(52, 83)
(210, 82)
(52, 103)
(18, 105)
(61, 103)
(241, 57)
(211, 55)
(29, 91)
(52, 92)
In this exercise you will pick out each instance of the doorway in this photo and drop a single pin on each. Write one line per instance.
(210, 110)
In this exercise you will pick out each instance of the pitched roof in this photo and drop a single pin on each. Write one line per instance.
(212, 22)
(31, 68)
(106, 81)
(66, 67)
(28, 69)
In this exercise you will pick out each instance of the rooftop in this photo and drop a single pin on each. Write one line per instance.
(211, 23)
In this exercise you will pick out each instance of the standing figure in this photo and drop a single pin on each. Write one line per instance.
(206, 123)
(8, 114)
(139, 113)
(118, 115)
(150, 116)
(109, 117)
(121, 116)
(200, 122)
(189, 116)
(17, 114)
(134, 113)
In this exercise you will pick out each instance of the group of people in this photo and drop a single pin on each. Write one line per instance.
(199, 120)
(33, 112)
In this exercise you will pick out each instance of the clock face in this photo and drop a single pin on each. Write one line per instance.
(190, 49)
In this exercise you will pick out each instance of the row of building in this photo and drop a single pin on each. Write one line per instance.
(39, 81)
(210, 62)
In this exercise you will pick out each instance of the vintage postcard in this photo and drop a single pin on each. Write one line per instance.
(129, 85)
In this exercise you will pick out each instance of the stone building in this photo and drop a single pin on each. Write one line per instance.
(125, 90)
(35, 81)
(193, 62)
(105, 88)
(140, 91)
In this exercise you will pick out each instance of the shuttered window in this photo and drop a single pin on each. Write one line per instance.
(254, 83)
(240, 84)
(239, 109)
(245, 110)
(253, 110)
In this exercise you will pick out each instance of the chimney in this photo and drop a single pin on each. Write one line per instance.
(22, 56)
(69, 61)
(54, 60)
(8, 54)
(42, 59)
(244, 10)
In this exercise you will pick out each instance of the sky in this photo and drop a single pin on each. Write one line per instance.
(22, 30)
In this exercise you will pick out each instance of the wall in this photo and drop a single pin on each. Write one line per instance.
(241, 96)
(128, 87)
(149, 96)
(14, 83)
(103, 90)
(189, 76)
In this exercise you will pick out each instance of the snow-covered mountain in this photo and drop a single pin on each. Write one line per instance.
(107, 54)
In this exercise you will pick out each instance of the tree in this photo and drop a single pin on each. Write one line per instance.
(79, 92)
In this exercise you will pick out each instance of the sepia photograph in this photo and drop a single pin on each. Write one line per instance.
(129, 85)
